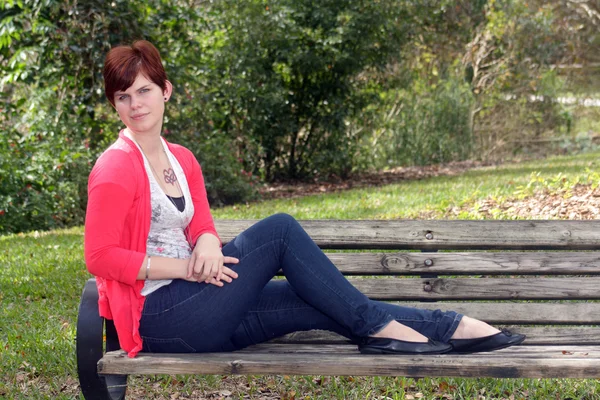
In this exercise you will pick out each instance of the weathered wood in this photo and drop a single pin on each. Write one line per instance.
(479, 288)
(549, 335)
(450, 234)
(507, 365)
(552, 351)
(516, 313)
(474, 263)
(552, 335)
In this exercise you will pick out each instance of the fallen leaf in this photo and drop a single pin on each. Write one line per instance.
(291, 395)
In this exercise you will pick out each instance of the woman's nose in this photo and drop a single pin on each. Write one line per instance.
(135, 102)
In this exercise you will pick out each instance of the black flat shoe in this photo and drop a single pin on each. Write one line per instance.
(371, 345)
(496, 341)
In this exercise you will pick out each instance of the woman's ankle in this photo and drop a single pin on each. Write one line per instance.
(398, 331)
(470, 328)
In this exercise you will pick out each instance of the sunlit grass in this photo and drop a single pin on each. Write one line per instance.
(412, 198)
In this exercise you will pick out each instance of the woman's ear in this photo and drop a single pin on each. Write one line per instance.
(168, 91)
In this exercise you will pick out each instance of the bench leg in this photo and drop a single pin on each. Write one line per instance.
(90, 349)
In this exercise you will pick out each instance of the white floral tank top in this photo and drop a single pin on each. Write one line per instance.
(167, 237)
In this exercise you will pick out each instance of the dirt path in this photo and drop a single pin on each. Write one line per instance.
(298, 189)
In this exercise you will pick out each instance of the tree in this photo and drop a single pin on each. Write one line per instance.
(291, 71)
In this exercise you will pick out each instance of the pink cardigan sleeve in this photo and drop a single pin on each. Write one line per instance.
(202, 222)
(111, 194)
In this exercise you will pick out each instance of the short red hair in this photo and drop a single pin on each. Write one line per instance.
(123, 64)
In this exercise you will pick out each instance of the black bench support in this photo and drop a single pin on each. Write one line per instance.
(90, 349)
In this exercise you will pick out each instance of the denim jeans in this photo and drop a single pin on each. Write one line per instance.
(198, 317)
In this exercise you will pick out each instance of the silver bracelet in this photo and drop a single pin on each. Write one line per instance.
(148, 267)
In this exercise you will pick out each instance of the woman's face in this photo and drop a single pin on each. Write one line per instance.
(142, 105)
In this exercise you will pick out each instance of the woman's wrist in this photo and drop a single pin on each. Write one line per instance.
(163, 268)
(208, 239)
(183, 268)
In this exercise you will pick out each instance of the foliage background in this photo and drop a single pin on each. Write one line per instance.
(287, 90)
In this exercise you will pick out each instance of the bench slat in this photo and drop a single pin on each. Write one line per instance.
(551, 335)
(506, 263)
(553, 364)
(510, 313)
(551, 351)
(585, 288)
(522, 313)
(445, 234)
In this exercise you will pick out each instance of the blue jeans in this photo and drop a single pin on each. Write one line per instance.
(188, 317)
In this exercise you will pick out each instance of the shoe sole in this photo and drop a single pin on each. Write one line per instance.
(488, 350)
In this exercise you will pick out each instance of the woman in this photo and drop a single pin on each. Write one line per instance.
(168, 285)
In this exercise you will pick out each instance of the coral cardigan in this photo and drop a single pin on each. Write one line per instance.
(117, 224)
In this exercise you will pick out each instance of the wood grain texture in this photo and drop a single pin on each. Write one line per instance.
(513, 313)
(551, 351)
(474, 263)
(548, 335)
(530, 362)
(582, 288)
(444, 234)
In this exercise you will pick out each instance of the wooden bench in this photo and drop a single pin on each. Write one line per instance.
(535, 277)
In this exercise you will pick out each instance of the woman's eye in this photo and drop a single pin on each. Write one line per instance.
(144, 90)
(122, 97)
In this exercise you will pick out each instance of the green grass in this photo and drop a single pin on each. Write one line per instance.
(42, 275)
(413, 198)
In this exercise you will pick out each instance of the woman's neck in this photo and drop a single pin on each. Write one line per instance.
(151, 144)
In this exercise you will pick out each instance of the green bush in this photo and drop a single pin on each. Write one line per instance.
(420, 125)
(42, 183)
(224, 176)
(285, 77)
(526, 123)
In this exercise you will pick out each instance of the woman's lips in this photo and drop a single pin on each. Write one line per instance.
(137, 117)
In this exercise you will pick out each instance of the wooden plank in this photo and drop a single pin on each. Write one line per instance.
(550, 335)
(474, 263)
(512, 313)
(441, 234)
(585, 288)
(511, 365)
(551, 351)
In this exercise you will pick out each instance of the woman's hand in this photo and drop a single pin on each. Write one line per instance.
(206, 262)
(228, 276)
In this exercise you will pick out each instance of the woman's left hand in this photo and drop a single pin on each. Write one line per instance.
(228, 276)
(206, 261)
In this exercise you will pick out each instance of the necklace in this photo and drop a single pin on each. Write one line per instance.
(171, 178)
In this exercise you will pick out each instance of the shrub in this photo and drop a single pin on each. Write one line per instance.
(42, 184)
(418, 126)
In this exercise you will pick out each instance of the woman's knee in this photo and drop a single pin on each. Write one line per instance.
(282, 218)
(273, 230)
(281, 223)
